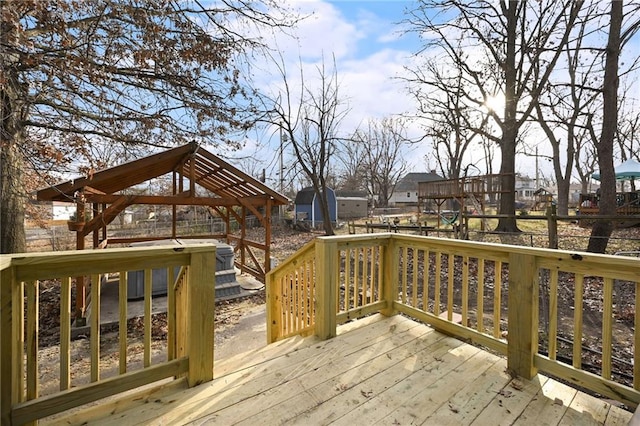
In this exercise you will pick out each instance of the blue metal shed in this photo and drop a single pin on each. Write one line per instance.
(307, 206)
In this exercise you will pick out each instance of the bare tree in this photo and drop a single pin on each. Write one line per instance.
(156, 73)
(384, 142)
(602, 229)
(351, 156)
(310, 118)
(512, 38)
(449, 121)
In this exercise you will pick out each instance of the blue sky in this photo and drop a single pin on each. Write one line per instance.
(370, 51)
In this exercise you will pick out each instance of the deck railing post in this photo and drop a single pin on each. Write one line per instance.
(390, 276)
(326, 267)
(274, 307)
(200, 314)
(522, 315)
(6, 345)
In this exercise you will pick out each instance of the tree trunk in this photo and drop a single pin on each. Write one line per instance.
(602, 229)
(509, 129)
(12, 200)
(12, 192)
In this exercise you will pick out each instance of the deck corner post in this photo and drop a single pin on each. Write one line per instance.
(390, 277)
(201, 307)
(523, 315)
(326, 310)
(272, 308)
(6, 345)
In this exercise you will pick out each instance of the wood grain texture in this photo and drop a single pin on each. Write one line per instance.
(379, 370)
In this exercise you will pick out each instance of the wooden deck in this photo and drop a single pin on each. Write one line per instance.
(392, 371)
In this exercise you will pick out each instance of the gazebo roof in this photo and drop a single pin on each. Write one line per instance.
(191, 161)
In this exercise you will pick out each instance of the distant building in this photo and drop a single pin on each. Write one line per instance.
(62, 211)
(406, 191)
(352, 204)
(307, 206)
(525, 188)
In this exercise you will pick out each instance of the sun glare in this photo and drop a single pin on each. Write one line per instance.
(495, 103)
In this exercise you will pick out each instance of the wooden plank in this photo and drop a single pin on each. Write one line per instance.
(480, 294)
(403, 273)
(497, 300)
(7, 339)
(636, 340)
(506, 411)
(32, 266)
(578, 307)
(414, 281)
(65, 333)
(94, 338)
(57, 403)
(450, 284)
(201, 308)
(32, 339)
(470, 399)
(607, 327)
(523, 314)
(427, 275)
(148, 286)
(593, 382)
(549, 405)
(300, 390)
(410, 402)
(438, 277)
(171, 315)
(585, 410)
(465, 291)
(122, 320)
(326, 259)
(390, 281)
(410, 385)
(553, 314)
(349, 282)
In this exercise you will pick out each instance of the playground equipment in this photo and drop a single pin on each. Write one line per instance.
(469, 192)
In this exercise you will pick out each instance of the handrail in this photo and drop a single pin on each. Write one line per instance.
(190, 317)
(507, 298)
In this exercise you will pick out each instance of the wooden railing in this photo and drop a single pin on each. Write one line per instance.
(547, 310)
(190, 312)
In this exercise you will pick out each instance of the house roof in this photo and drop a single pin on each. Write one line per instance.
(411, 180)
(191, 161)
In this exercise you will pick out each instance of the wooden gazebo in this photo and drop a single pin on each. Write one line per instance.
(223, 188)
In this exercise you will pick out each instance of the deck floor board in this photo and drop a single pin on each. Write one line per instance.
(389, 371)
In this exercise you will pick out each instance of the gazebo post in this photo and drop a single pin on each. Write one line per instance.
(267, 236)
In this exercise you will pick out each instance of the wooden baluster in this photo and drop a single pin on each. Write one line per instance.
(32, 339)
(65, 333)
(122, 320)
(94, 341)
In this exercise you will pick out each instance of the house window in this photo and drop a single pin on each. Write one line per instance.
(408, 195)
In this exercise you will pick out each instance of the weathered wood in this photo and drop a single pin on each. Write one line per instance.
(523, 314)
(201, 308)
(326, 286)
